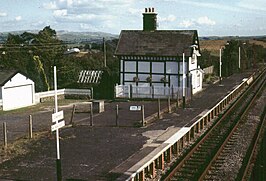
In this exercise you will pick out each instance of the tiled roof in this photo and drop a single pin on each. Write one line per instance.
(6, 75)
(156, 43)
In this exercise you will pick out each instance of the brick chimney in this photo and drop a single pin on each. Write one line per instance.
(149, 20)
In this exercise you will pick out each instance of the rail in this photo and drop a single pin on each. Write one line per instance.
(215, 109)
(155, 160)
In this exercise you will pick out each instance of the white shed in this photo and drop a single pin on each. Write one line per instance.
(16, 90)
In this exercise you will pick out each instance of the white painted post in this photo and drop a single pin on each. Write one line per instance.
(184, 93)
(169, 105)
(220, 72)
(104, 52)
(239, 57)
(58, 161)
(5, 135)
(142, 115)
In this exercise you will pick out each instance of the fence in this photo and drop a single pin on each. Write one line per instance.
(208, 70)
(151, 92)
(42, 95)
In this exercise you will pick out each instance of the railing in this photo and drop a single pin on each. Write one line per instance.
(41, 95)
(151, 92)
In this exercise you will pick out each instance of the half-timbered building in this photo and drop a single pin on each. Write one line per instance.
(159, 58)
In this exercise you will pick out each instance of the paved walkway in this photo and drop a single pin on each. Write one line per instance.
(90, 153)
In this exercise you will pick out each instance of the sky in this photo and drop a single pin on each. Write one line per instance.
(209, 17)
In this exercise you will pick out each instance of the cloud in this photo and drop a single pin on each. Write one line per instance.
(254, 5)
(218, 6)
(59, 13)
(169, 18)
(18, 18)
(201, 21)
(205, 21)
(3, 14)
(137, 12)
(186, 23)
(50, 5)
(100, 15)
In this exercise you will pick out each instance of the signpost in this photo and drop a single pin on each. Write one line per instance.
(56, 117)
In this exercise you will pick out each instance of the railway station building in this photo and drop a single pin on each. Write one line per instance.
(158, 63)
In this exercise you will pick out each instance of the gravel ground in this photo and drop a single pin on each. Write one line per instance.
(230, 160)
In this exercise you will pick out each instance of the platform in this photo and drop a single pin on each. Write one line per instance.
(108, 152)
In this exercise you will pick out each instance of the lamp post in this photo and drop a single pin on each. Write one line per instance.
(220, 66)
(184, 93)
(220, 63)
(239, 57)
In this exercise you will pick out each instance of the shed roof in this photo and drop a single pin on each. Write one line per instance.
(6, 75)
(156, 43)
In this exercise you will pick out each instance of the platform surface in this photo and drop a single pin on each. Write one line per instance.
(104, 151)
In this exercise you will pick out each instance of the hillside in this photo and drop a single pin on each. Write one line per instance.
(214, 45)
(67, 36)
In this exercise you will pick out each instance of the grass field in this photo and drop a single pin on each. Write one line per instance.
(214, 45)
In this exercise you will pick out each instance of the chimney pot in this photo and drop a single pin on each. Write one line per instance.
(152, 9)
(146, 10)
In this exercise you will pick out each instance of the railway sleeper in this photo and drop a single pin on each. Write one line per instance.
(208, 146)
(183, 178)
(195, 160)
(193, 165)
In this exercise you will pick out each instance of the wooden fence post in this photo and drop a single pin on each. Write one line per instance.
(142, 115)
(159, 109)
(116, 116)
(169, 105)
(5, 135)
(30, 127)
(91, 115)
(72, 114)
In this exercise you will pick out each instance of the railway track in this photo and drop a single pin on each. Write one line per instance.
(208, 154)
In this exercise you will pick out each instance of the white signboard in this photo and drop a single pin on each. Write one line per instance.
(57, 116)
(135, 108)
(58, 125)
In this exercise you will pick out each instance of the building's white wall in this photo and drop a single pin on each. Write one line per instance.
(18, 80)
(197, 78)
(157, 72)
(18, 92)
(193, 61)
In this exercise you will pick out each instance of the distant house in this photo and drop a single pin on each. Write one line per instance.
(154, 58)
(16, 90)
